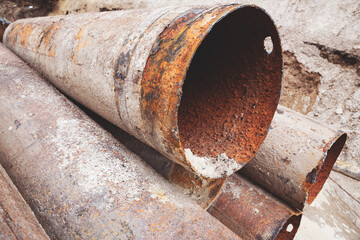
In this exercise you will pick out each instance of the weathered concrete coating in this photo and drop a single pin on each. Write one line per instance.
(253, 213)
(134, 77)
(17, 221)
(334, 213)
(80, 182)
(296, 157)
(331, 58)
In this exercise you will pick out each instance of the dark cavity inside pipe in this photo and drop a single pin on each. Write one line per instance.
(332, 154)
(232, 87)
(290, 228)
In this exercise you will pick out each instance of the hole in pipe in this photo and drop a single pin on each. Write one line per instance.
(268, 45)
(289, 228)
(232, 88)
(292, 225)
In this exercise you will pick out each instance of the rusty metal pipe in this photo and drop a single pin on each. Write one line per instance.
(195, 83)
(79, 181)
(253, 213)
(296, 157)
(17, 221)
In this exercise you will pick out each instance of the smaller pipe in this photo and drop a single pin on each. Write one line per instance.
(296, 157)
(17, 221)
(253, 213)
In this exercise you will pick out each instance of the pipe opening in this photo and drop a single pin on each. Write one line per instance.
(322, 175)
(231, 89)
(290, 228)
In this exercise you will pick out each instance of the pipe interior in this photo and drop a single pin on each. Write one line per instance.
(232, 87)
(325, 169)
(290, 228)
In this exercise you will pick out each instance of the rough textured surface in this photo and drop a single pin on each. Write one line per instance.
(296, 157)
(80, 182)
(252, 212)
(17, 221)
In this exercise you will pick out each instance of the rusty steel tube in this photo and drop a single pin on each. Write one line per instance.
(296, 157)
(17, 221)
(195, 83)
(79, 181)
(253, 213)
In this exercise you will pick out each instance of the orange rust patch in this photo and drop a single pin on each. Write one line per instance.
(165, 72)
(47, 34)
(80, 43)
(25, 34)
(13, 33)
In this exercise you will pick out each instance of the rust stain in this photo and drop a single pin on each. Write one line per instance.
(13, 33)
(165, 72)
(80, 44)
(25, 34)
(47, 33)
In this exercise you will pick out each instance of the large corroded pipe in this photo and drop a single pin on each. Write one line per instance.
(79, 181)
(253, 213)
(17, 221)
(196, 83)
(296, 157)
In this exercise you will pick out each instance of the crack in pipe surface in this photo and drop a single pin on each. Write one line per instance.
(195, 83)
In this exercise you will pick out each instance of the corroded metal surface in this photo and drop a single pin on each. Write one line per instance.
(203, 191)
(296, 157)
(253, 213)
(17, 221)
(79, 181)
(195, 83)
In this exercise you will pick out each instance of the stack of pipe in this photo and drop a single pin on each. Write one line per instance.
(198, 84)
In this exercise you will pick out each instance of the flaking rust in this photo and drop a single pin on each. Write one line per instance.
(253, 213)
(17, 221)
(79, 181)
(296, 157)
(195, 83)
